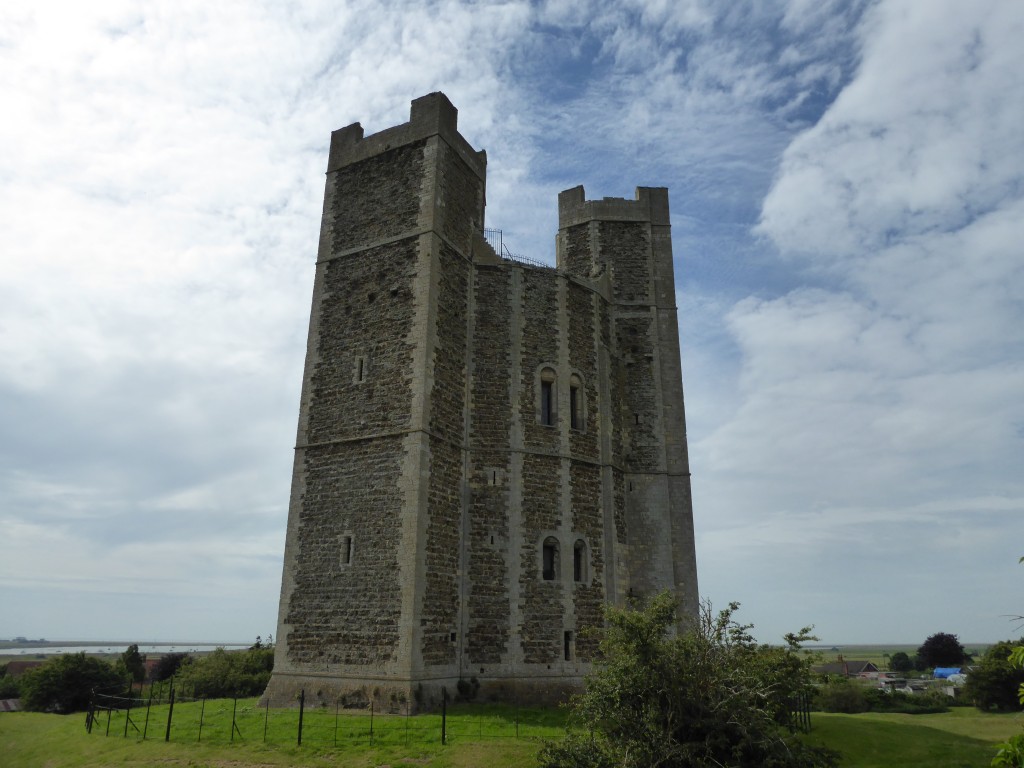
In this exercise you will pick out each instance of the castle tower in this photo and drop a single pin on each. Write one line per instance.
(488, 450)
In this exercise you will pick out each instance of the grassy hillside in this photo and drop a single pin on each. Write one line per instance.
(477, 736)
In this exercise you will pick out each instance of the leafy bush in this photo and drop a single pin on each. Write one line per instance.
(841, 695)
(65, 683)
(9, 688)
(224, 674)
(706, 697)
(901, 662)
(850, 697)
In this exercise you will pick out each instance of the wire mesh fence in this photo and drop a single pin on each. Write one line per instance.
(169, 715)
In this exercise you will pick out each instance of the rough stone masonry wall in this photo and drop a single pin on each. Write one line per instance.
(542, 612)
(577, 255)
(366, 312)
(541, 601)
(588, 523)
(539, 345)
(487, 634)
(462, 193)
(628, 244)
(440, 609)
(582, 333)
(640, 396)
(335, 609)
(348, 614)
(388, 182)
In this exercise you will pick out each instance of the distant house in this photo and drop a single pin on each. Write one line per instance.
(848, 669)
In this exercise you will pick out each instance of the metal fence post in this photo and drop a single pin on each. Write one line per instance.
(302, 707)
(170, 713)
(234, 727)
(202, 711)
(149, 706)
(127, 714)
(444, 715)
(266, 719)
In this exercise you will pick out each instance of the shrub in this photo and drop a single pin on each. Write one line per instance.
(994, 682)
(709, 696)
(901, 662)
(842, 696)
(224, 674)
(9, 688)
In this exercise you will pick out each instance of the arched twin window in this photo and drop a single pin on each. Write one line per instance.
(551, 564)
(547, 402)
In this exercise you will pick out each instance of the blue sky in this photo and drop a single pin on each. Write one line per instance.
(848, 219)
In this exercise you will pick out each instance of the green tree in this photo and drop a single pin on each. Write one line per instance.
(168, 664)
(942, 650)
(134, 662)
(9, 688)
(900, 662)
(65, 683)
(994, 682)
(706, 697)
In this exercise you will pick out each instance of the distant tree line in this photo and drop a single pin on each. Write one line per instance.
(66, 683)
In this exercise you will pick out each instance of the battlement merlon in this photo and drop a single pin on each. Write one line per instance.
(650, 205)
(430, 115)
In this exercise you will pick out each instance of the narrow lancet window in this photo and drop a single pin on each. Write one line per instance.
(579, 561)
(548, 397)
(576, 411)
(550, 559)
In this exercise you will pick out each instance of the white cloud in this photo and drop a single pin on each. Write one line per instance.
(161, 172)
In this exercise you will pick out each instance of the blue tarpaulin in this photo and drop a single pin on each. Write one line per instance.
(943, 672)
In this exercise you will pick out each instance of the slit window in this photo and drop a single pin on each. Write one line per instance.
(346, 550)
(548, 397)
(360, 369)
(550, 558)
(576, 413)
(567, 645)
(579, 561)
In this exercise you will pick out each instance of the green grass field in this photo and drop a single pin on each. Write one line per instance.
(483, 735)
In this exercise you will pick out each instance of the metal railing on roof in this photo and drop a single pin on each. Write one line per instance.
(496, 241)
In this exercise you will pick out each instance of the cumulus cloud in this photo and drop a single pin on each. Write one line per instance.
(888, 396)
(845, 182)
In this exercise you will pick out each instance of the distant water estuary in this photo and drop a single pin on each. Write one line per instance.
(15, 649)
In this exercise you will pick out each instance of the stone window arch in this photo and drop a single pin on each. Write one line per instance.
(550, 559)
(547, 396)
(580, 561)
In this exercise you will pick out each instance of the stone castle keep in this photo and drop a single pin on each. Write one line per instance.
(488, 451)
